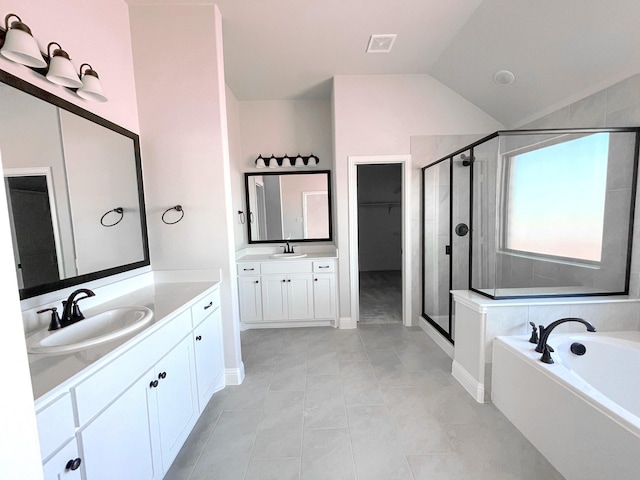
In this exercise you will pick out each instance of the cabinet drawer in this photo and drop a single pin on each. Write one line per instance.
(326, 266)
(55, 424)
(249, 268)
(288, 266)
(104, 385)
(205, 306)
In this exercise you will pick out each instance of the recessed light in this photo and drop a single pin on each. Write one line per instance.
(504, 77)
(381, 43)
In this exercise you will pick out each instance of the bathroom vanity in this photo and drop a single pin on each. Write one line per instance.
(286, 292)
(124, 409)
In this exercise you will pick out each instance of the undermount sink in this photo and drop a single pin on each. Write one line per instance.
(93, 330)
(288, 255)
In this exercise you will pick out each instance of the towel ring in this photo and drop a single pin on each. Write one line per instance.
(118, 210)
(177, 208)
(242, 217)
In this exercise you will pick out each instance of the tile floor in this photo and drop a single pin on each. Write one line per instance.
(380, 297)
(373, 403)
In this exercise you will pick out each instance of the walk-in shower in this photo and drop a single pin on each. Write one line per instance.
(530, 213)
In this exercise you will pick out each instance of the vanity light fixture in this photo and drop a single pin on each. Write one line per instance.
(287, 161)
(91, 88)
(61, 70)
(19, 45)
(260, 162)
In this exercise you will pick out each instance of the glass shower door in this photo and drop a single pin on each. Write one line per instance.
(445, 246)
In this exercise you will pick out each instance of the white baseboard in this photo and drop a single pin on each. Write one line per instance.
(470, 384)
(234, 376)
(346, 323)
(436, 336)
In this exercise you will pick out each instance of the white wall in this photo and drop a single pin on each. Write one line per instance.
(236, 171)
(377, 115)
(184, 143)
(96, 32)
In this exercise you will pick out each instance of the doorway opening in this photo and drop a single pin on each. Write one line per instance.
(380, 239)
(380, 242)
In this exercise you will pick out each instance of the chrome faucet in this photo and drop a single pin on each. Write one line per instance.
(70, 311)
(545, 349)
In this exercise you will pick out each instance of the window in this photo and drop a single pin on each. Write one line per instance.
(555, 198)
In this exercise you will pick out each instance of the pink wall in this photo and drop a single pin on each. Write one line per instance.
(94, 32)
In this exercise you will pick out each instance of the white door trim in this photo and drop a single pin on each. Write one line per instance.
(354, 283)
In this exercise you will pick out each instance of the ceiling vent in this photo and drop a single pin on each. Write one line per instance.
(381, 43)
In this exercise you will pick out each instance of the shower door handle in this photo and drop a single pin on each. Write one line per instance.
(462, 229)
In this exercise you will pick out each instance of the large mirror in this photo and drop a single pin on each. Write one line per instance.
(292, 206)
(74, 191)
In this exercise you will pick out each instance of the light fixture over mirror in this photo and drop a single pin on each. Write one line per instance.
(91, 88)
(19, 45)
(287, 161)
(61, 70)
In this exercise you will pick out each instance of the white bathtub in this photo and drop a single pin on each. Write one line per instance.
(582, 412)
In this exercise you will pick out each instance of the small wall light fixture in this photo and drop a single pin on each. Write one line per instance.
(91, 88)
(19, 45)
(260, 162)
(299, 161)
(61, 70)
(273, 162)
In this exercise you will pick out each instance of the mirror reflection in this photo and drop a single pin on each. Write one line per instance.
(64, 168)
(288, 206)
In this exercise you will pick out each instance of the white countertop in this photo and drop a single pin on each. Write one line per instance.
(164, 299)
(477, 301)
(266, 257)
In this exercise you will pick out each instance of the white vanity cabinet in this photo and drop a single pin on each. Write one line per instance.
(129, 416)
(209, 359)
(250, 296)
(61, 466)
(56, 426)
(286, 292)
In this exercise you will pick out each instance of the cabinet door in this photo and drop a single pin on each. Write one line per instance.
(209, 357)
(122, 442)
(274, 297)
(250, 294)
(176, 399)
(300, 296)
(324, 296)
(56, 467)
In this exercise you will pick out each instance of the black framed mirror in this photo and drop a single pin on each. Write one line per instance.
(68, 175)
(293, 206)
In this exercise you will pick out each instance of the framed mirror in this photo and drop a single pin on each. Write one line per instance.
(74, 191)
(294, 206)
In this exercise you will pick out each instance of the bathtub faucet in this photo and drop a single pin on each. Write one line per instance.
(545, 349)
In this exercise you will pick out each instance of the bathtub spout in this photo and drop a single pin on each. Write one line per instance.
(545, 332)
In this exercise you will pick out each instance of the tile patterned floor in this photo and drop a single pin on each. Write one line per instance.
(380, 297)
(374, 403)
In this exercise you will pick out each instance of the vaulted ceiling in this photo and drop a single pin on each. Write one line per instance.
(558, 50)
